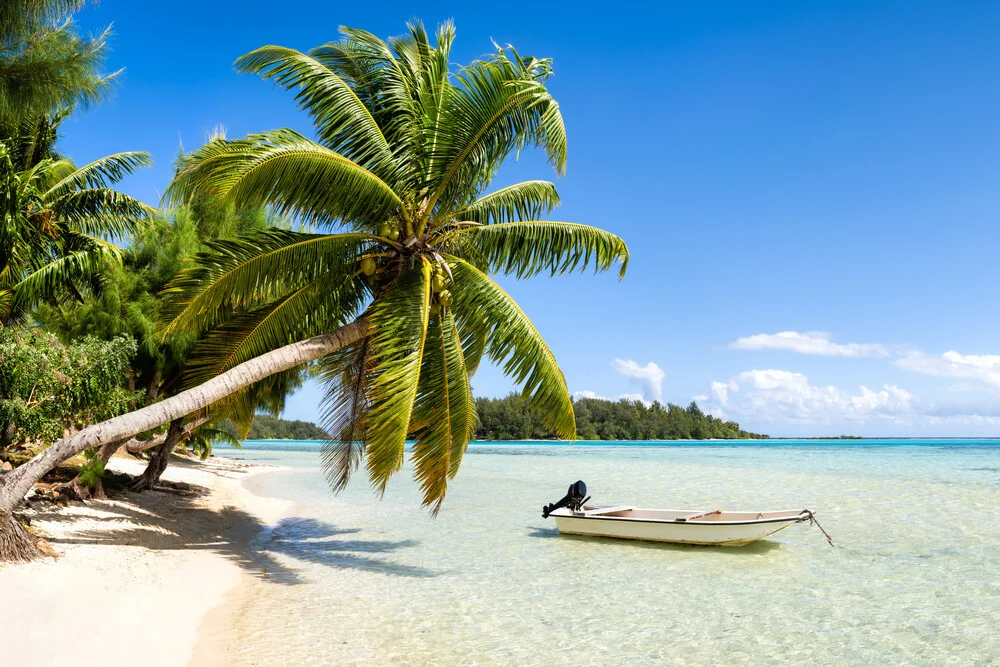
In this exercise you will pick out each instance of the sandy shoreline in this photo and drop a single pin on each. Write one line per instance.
(143, 580)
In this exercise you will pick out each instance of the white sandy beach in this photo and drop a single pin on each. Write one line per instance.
(136, 578)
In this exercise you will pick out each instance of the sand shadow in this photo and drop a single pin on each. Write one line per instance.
(758, 547)
(166, 521)
(162, 521)
(318, 542)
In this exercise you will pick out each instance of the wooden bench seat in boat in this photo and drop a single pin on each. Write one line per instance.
(608, 510)
(697, 515)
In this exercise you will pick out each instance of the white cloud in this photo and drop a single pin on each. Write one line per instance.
(984, 368)
(721, 392)
(586, 393)
(785, 395)
(810, 342)
(649, 377)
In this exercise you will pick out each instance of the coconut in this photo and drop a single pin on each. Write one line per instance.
(368, 266)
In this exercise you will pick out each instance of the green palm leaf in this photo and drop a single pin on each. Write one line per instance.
(285, 170)
(305, 312)
(342, 121)
(443, 408)
(55, 277)
(347, 375)
(257, 270)
(200, 442)
(102, 173)
(101, 212)
(498, 107)
(378, 80)
(524, 249)
(267, 396)
(515, 345)
(398, 322)
(474, 342)
(523, 201)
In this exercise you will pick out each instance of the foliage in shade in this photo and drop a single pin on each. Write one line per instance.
(128, 301)
(92, 471)
(398, 180)
(200, 442)
(47, 387)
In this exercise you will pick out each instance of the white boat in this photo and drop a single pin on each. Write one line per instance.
(704, 527)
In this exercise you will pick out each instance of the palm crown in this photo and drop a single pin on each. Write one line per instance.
(405, 149)
(56, 224)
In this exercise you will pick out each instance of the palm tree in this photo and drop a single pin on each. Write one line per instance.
(396, 303)
(56, 225)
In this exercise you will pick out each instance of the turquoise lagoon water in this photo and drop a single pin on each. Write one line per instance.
(355, 580)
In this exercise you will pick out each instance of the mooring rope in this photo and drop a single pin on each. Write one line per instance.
(814, 521)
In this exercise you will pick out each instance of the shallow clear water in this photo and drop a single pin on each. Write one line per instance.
(357, 580)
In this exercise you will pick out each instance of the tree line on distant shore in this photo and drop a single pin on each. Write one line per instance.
(266, 427)
(599, 419)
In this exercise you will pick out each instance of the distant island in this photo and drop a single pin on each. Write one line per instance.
(599, 419)
(268, 428)
(596, 419)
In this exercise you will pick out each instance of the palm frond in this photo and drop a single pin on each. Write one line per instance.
(473, 344)
(523, 201)
(343, 123)
(256, 270)
(307, 311)
(264, 396)
(444, 410)
(101, 212)
(346, 375)
(47, 281)
(286, 171)
(378, 80)
(515, 345)
(398, 321)
(200, 442)
(499, 106)
(525, 249)
(102, 173)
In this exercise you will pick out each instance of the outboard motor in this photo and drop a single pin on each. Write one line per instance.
(574, 499)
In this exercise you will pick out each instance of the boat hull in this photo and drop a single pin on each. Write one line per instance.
(705, 533)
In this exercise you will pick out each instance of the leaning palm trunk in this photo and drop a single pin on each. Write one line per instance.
(14, 485)
(158, 463)
(135, 446)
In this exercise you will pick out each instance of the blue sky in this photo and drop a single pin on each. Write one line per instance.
(826, 171)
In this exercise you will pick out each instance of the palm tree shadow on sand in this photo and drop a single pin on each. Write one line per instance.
(319, 542)
(166, 521)
(754, 548)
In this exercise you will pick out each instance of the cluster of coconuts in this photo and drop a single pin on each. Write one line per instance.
(386, 231)
(438, 285)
